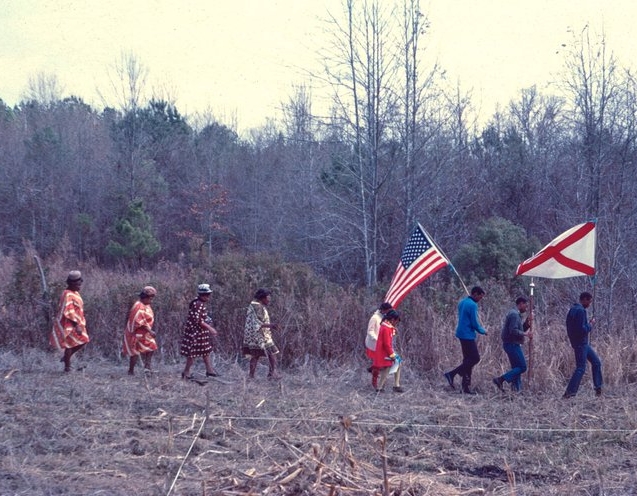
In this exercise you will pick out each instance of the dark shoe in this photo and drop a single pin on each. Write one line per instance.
(568, 395)
(449, 378)
(187, 377)
(398, 389)
(470, 391)
(369, 369)
(131, 372)
(380, 390)
(498, 381)
(598, 391)
(212, 374)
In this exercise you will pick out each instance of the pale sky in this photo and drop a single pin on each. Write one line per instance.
(243, 57)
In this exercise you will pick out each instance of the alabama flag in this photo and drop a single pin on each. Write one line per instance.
(570, 254)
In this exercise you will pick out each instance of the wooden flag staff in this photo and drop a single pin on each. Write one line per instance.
(530, 319)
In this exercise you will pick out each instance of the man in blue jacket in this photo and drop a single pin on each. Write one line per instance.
(468, 326)
(578, 329)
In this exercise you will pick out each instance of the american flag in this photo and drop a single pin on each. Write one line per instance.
(420, 259)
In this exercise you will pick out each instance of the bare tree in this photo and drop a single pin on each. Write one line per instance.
(127, 79)
(127, 87)
(362, 68)
(592, 84)
(420, 103)
(44, 88)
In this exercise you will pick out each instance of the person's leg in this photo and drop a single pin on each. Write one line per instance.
(254, 359)
(147, 359)
(68, 353)
(596, 366)
(459, 370)
(518, 364)
(397, 387)
(383, 378)
(516, 385)
(131, 364)
(397, 375)
(67, 359)
(273, 371)
(375, 374)
(210, 372)
(186, 373)
(471, 357)
(580, 367)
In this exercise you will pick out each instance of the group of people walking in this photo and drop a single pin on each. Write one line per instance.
(70, 331)
(70, 334)
(517, 327)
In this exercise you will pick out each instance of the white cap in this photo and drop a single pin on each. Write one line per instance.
(204, 289)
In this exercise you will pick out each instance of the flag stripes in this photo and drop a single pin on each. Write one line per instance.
(420, 259)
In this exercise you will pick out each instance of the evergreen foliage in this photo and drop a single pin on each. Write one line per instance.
(499, 247)
(132, 237)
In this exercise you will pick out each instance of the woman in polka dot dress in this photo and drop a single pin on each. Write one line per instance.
(196, 339)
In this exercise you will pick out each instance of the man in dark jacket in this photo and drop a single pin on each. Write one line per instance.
(578, 329)
(513, 333)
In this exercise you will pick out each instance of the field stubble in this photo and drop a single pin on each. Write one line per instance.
(320, 430)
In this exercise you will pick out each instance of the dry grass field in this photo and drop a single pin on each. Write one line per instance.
(321, 430)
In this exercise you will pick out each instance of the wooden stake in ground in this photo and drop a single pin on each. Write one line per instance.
(194, 440)
(383, 445)
(530, 374)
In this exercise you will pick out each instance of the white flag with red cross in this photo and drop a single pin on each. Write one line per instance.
(570, 254)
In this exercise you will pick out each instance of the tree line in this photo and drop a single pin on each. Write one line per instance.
(141, 183)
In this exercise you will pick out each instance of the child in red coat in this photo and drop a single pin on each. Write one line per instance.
(384, 357)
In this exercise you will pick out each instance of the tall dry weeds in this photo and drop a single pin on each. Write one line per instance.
(319, 321)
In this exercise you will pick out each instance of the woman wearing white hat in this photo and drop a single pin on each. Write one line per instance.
(196, 340)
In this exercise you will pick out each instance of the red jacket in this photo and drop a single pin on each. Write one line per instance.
(384, 347)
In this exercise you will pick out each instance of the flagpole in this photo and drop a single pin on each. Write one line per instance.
(453, 269)
(530, 317)
(593, 278)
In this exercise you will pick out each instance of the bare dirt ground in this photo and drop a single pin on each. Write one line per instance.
(319, 431)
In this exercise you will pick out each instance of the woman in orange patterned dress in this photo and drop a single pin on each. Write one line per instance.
(139, 337)
(69, 328)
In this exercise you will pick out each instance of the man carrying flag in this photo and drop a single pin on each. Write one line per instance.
(571, 254)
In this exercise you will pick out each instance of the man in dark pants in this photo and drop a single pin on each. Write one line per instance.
(468, 326)
(578, 329)
(513, 333)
